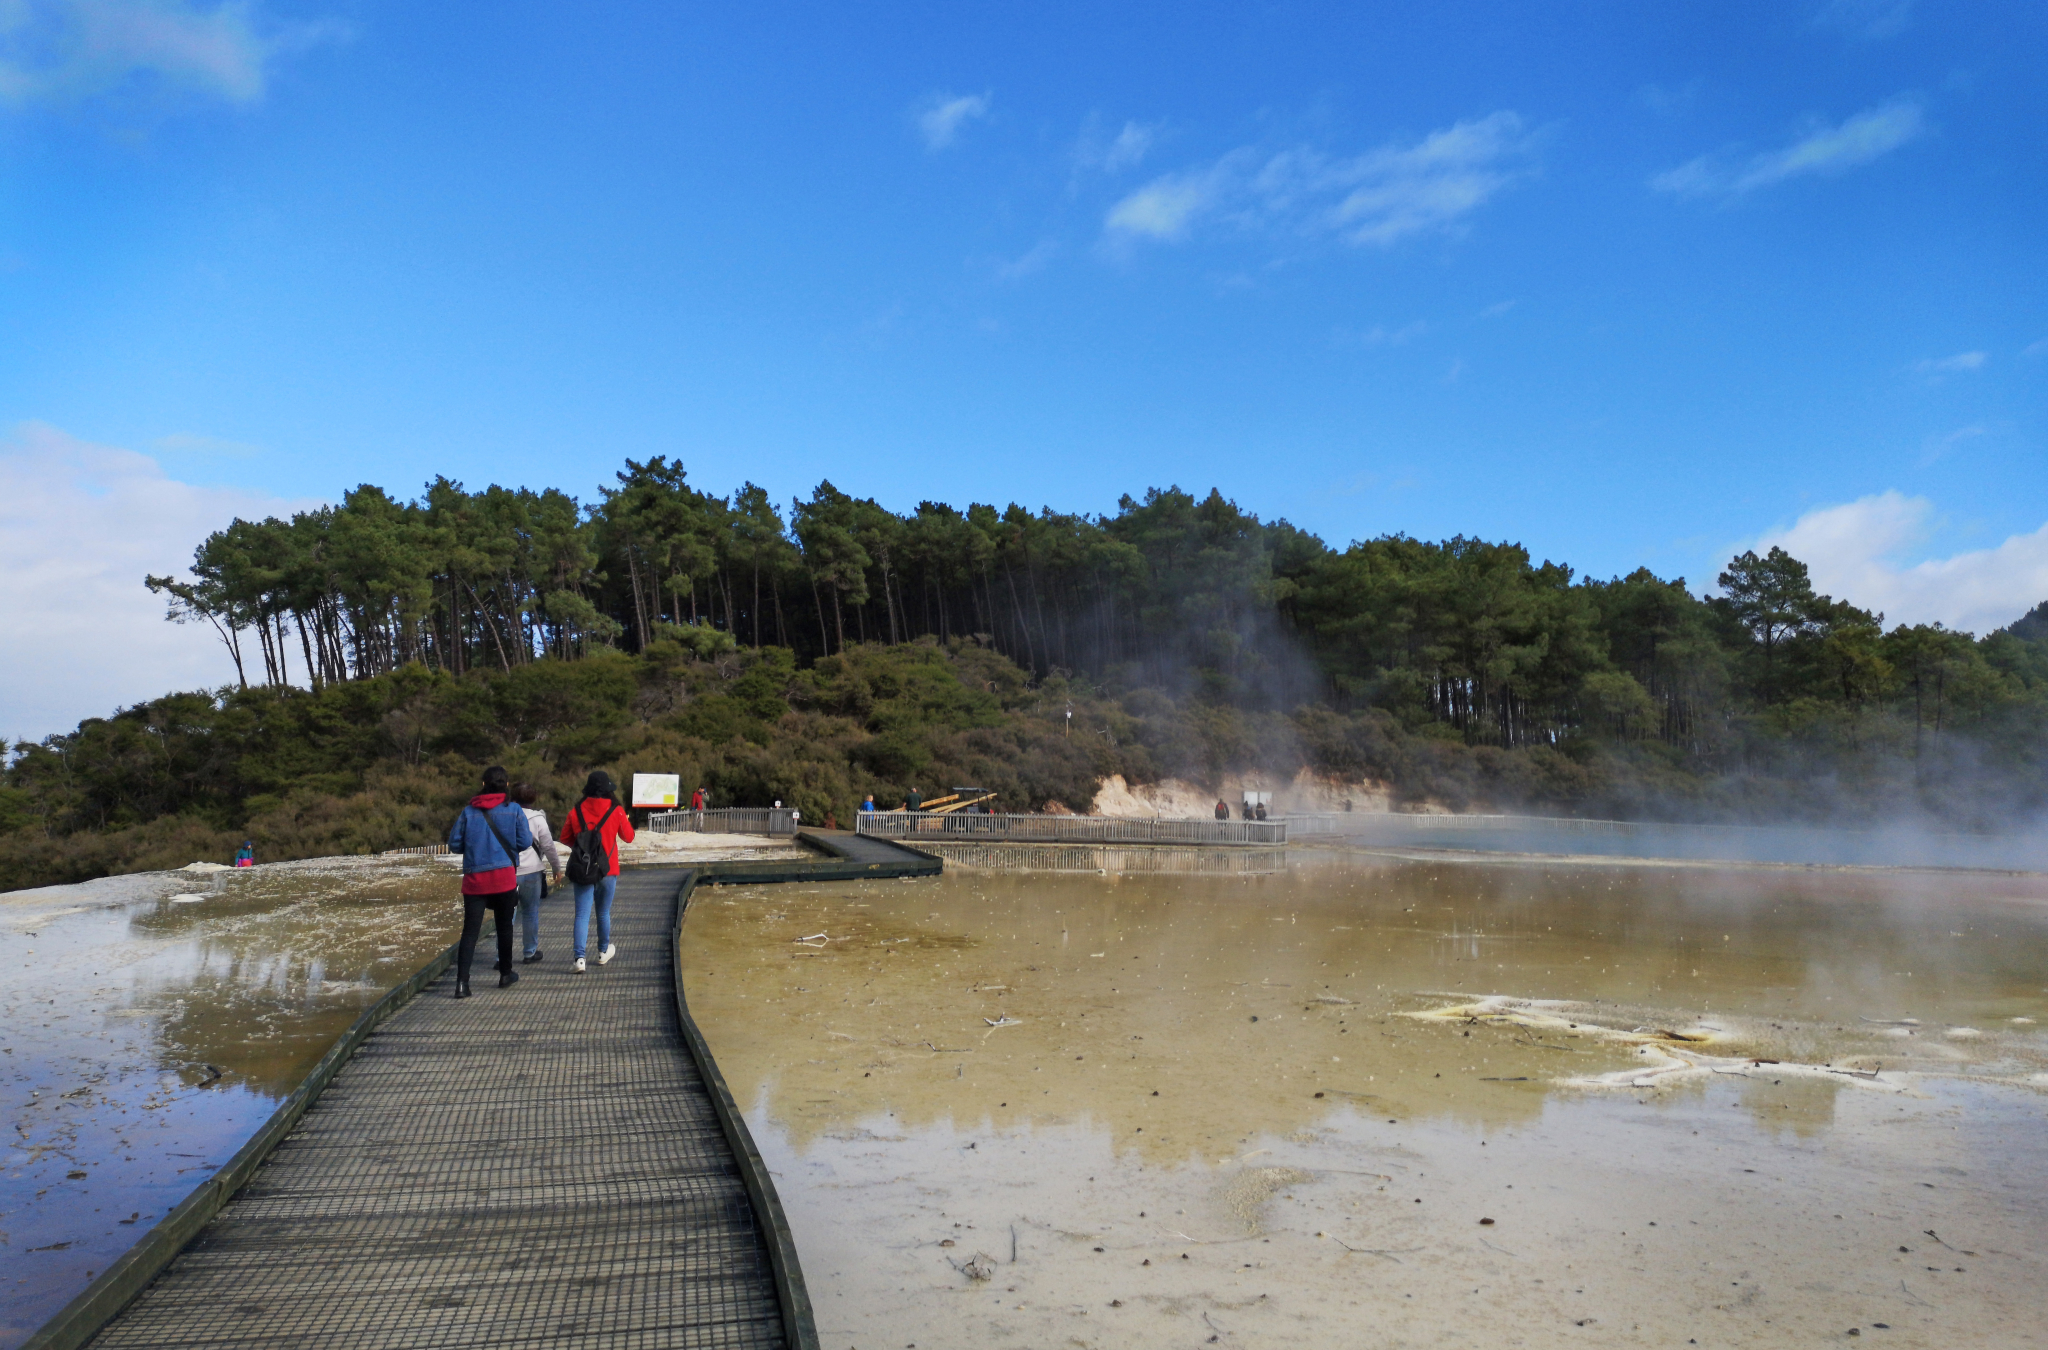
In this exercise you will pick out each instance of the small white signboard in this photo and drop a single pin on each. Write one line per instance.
(656, 789)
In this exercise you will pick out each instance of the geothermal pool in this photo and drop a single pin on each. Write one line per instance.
(152, 1023)
(1162, 1096)
(1372, 1100)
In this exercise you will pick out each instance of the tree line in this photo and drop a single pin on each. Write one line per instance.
(1472, 638)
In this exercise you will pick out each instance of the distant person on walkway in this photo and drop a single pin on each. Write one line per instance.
(536, 864)
(599, 818)
(1222, 811)
(1260, 810)
(869, 804)
(697, 800)
(490, 834)
(245, 856)
(914, 802)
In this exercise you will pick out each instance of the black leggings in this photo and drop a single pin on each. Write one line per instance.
(501, 905)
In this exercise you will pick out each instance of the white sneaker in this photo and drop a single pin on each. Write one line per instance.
(605, 956)
(578, 967)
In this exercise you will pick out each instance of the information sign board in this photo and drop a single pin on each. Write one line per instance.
(656, 789)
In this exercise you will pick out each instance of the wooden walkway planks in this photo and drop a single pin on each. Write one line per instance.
(535, 1166)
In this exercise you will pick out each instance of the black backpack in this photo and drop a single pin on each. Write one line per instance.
(588, 862)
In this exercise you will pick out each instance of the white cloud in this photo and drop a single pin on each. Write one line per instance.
(1165, 207)
(1114, 154)
(1015, 269)
(60, 50)
(1821, 150)
(943, 115)
(2035, 348)
(1379, 335)
(1865, 18)
(1853, 552)
(1128, 148)
(80, 525)
(1941, 447)
(1374, 198)
(1950, 365)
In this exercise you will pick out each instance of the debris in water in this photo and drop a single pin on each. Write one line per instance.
(1004, 1021)
(981, 1266)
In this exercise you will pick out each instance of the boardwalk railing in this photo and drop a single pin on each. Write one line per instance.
(1067, 829)
(1110, 859)
(768, 820)
(1896, 846)
(1365, 822)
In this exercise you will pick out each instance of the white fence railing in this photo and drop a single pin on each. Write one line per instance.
(768, 820)
(1067, 829)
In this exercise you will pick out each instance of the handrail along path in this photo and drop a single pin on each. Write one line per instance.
(558, 1163)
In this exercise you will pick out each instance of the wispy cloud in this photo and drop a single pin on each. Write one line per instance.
(2035, 348)
(1034, 260)
(65, 50)
(1939, 448)
(1951, 365)
(1853, 552)
(941, 116)
(1114, 154)
(1670, 98)
(1865, 18)
(1821, 149)
(1377, 197)
(1379, 335)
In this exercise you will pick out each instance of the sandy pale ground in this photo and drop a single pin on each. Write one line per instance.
(1231, 1111)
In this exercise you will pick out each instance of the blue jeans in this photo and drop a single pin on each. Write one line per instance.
(529, 911)
(600, 894)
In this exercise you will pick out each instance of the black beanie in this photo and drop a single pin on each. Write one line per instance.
(599, 784)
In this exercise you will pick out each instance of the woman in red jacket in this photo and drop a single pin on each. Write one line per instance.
(597, 813)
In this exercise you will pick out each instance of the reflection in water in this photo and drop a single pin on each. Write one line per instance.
(151, 1024)
(1295, 1096)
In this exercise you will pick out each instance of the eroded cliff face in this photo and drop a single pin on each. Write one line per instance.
(1175, 798)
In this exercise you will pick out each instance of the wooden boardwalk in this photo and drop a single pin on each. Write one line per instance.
(921, 827)
(541, 1166)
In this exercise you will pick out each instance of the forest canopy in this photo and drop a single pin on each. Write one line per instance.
(382, 639)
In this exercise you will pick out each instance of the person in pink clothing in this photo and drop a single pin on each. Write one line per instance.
(598, 812)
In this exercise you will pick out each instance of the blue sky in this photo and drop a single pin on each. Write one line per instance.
(1631, 284)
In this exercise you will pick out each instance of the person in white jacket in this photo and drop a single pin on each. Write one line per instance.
(535, 863)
